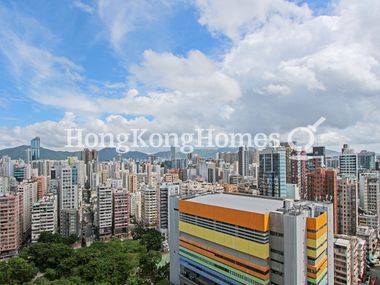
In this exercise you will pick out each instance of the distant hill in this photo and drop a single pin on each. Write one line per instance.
(19, 152)
(105, 154)
(110, 153)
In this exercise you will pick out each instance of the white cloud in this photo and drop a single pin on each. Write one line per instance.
(277, 89)
(196, 74)
(236, 18)
(326, 65)
(122, 17)
(83, 6)
(286, 68)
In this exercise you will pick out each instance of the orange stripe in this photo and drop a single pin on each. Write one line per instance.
(316, 223)
(315, 275)
(317, 266)
(317, 234)
(243, 261)
(251, 220)
(221, 260)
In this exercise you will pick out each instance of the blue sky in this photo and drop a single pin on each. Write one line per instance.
(174, 65)
(80, 37)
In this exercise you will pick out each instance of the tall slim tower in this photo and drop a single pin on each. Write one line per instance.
(69, 201)
(348, 162)
(243, 160)
(322, 186)
(347, 206)
(172, 155)
(35, 148)
(272, 172)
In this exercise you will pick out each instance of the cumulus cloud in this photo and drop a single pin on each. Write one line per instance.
(286, 68)
(327, 65)
(236, 18)
(195, 74)
(122, 17)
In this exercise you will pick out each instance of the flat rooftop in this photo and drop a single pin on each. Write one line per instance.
(258, 204)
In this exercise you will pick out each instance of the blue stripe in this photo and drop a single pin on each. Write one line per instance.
(188, 261)
(200, 272)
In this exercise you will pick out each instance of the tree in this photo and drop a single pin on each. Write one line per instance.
(163, 273)
(16, 271)
(152, 239)
(83, 242)
(48, 237)
(44, 256)
(148, 266)
(117, 262)
(138, 231)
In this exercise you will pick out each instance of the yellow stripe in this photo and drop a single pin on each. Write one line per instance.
(315, 243)
(315, 253)
(236, 243)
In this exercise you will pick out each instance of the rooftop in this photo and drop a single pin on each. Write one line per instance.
(240, 202)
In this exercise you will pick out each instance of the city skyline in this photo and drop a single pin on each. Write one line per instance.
(172, 65)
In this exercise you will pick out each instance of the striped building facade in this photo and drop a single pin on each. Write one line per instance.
(238, 239)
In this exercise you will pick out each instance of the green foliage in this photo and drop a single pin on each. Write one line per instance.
(46, 255)
(47, 237)
(130, 262)
(151, 238)
(83, 242)
(16, 271)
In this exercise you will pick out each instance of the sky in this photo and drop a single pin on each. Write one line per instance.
(176, 65)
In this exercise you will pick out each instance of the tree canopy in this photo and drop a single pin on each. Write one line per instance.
(116, 262)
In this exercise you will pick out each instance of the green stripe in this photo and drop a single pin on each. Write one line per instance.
(323, 276)
(250, 277)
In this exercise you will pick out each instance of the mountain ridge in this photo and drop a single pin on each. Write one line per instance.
(19, 152)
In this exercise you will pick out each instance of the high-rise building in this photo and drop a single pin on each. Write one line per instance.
(132, 183)
(69, 201)
(6, 166)
(136, 205)
(28, 190)
(68, 192)
(298, 173)
(348, 162)
(41, 186)
(149, 206)
(322, 186)
(4, 184)
(272, 172)
(104, 211)
(369, 235)
(368, 220)
(10, 227)
(347, 206)
(44, 216)
(347, 260)
(69, 222)
(121, 211)
(172, 156)
(316, 159)
(20, 172)
(367, 160)
(369, 193)
(243, 158)
(165, 191)
(332, 162)
(35, 148)
(319, 151)
(241, 239)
